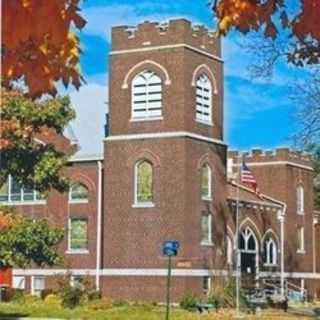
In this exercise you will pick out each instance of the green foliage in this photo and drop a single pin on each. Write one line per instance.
(33, 164)
(26, 241)
(53, 299)
(189, 302)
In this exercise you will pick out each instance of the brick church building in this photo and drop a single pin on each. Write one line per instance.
(166, 173)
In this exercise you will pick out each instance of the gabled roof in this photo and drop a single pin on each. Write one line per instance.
(247, 195)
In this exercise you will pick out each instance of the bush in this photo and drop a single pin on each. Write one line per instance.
(103, 304)
(46, 292)
(30, 299)
(94, 295)
(53, 299)
(14, 295)
(189, 302)
(71, 296)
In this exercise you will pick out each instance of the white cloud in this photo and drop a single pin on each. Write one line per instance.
(100, 20)
(90, 105)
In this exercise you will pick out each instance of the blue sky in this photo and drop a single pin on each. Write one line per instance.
(257, 113)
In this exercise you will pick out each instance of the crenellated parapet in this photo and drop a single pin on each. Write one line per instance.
(174, 32)
(277, 155)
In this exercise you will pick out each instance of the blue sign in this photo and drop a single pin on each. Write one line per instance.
(170, 248)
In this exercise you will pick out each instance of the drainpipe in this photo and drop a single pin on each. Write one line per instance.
(99, 222)
(281, 219)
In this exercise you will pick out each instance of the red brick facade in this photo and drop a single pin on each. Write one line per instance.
(131, 263)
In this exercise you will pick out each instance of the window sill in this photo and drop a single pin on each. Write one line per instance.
(270, 265)
(300, 213)
(146, 119)
(23, 203)
(77, 251)
(207, 244)
(206, 198)
(78, 201)
(301, 251)
(207, 123)
(143, 205)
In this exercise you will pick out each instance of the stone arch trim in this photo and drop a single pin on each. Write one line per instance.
(145, 154)
(275, 237)
(144, 64)
(231, 235)
(205, 159)
(247, 222)
(205, 69)
(85, 180)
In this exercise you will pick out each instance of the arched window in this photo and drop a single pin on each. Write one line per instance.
(203, 99)
(143, 183)
(146, 96)
(206, 182)
(78, 193)
(270, 251)
(300, 199)
(247, 241)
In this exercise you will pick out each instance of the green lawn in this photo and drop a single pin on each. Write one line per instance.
(41, 309)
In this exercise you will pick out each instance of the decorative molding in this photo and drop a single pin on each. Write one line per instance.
(211, 75)
(146, 62)
(165, 47)
(162, 135)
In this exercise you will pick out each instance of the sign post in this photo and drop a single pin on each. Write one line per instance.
(170, 249)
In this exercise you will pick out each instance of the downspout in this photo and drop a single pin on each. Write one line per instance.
(99, 221)
(281, 219)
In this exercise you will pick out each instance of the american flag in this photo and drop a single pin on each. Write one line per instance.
(248, 178)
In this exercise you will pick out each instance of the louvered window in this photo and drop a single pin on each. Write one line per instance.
(146, 96)
(203, 99)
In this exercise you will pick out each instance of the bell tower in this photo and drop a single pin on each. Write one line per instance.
(165, 160)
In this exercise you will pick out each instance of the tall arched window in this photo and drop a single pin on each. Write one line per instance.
(300, 199)
(247, 241)
(270, 251)
(143, 183)
(78, 193)
(206, 182)
(203, 99)
(146, 95)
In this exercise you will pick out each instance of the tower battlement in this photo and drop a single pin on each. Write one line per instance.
(279, 154)
(174, 32)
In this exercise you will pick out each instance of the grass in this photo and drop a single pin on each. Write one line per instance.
(143, 312)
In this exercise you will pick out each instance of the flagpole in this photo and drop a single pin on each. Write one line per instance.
(237, 242)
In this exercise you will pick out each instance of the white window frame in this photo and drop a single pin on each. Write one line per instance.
(72, 250)
(147, 114)
(207, 197)
(268, 244)
(300, 200)
(207, 242)
(33, 289)
(206, 280)
(78, 200)
(19, 282)
(145, 204)
(200, 107)
(301, 243)
(10, 201)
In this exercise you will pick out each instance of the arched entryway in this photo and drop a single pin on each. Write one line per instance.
(249, 249)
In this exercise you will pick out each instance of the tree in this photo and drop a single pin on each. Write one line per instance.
(24, 241)
(34, 164)
(38, 50)
(275, 19)
(38, 47)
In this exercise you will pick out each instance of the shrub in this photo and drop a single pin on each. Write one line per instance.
(30, 299)
(94, 295)
(14, 295)
(103, 304)
(189, 302)
(53, 299)
(71, 296)
(46, 292)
